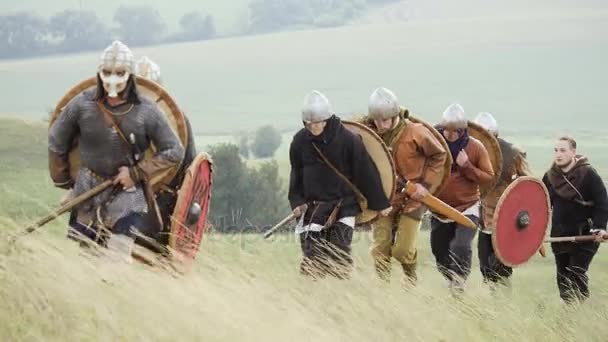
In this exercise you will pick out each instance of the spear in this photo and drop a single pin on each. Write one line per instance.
(66, 207)
(279, 225)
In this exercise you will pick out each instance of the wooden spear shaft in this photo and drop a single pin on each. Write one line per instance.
(67, 207)
(578, 238)
(279, 225)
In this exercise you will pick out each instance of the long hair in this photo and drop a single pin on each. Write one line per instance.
(130, 93)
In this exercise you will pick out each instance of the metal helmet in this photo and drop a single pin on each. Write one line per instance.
(316, 107)
(146, 68)
(383, 104)
(115, 67)
(487, 121)
(454, 116)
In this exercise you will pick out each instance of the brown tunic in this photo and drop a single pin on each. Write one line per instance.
(462, 189)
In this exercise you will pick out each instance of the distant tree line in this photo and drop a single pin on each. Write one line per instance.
(277, 15)
(25, 34)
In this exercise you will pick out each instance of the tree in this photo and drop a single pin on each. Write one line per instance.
(196, 26)
(78, 31)
(243, 140)
(22, 34)
(266, 141)
(140, 25)
(228, 182)
(274, 15)
(269, 203)
(256, 194)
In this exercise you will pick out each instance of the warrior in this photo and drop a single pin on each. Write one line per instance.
(112, 125)
(167, 196)
(419, 158)
(580, 207)
(451, 242)
(514, 165)
(327, 161)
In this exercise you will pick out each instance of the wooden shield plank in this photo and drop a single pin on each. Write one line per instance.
(492, 145)
(383, 160)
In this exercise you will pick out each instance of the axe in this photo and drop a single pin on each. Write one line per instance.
(440, 207)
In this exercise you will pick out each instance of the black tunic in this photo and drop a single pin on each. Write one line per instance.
(570, 215)
(313, 180)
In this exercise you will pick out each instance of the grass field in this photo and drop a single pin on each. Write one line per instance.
(245, 288)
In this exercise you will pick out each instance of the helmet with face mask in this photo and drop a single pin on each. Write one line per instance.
(487, 121)
(316, 107)
(146, 68)
(383, 104)
(454, 117)
(115, 68)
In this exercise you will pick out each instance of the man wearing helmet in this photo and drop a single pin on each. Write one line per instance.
(419, 158)
(514, 165)
(110, 122)
(451, 242)
(326, 159)
(167, 196)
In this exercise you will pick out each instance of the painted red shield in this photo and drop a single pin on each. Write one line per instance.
(521, 221)
(190, 214)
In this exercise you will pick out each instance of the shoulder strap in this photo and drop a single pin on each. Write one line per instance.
(338, 173)
(581, 201)
(109, 118)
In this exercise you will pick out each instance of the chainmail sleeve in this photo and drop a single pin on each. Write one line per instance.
(170, 151)
(61, 135)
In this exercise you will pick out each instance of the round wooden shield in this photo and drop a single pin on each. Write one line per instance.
(521, 220)
(189, 218)
(147, 88)
(384, 163)
(447, 167)
(491, 144)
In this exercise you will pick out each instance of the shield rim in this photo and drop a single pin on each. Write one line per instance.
(503, 198)
(180, 125)
(493, 151)
(362, 219)
(189, 176)
(447, 167)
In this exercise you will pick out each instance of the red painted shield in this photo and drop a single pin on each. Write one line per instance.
(521, 219)
(190, 214)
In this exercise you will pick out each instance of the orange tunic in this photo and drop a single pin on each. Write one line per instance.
(462, 188)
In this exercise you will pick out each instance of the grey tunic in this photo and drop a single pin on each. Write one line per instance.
(103, 151)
